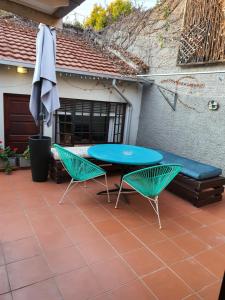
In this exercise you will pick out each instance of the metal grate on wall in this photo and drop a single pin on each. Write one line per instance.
(89, 122)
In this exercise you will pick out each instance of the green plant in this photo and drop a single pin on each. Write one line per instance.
(5, 154)
(26, 154)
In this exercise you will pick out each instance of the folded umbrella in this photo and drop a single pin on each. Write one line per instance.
(44, 98)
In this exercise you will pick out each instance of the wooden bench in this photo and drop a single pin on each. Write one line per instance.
(198, 183)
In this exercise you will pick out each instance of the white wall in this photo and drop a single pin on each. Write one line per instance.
(75, 88)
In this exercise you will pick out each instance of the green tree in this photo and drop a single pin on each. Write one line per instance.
(97, 19)
(118, 8)
(100, 17)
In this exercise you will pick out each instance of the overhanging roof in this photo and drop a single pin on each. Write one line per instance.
(42, 11)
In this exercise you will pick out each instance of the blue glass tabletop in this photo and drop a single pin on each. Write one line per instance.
(125, 154)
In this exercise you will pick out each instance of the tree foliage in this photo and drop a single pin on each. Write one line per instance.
(100, 17)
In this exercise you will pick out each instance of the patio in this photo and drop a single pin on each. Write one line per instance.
(86, 249)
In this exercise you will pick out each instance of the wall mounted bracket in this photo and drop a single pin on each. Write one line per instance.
(163, 92)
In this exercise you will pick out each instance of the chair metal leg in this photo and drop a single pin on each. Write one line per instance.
(118, 197)
(66, 191)
(156, 208)
(157, 211)
(107, 188)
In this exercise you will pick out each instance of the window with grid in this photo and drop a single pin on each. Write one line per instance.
(89, 122)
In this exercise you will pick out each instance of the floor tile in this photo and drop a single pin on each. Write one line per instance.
(219, 227)
(84, 233)
(195, 275)
(9, 204)
(168, 251)
(7, 296)
(221, 249)
(109, 227)
(124, 242)
(213, 261)
(204, 217)
(2, 259)
(148, 234)
(166, 285)
(190, 243)
(142, 261)
(80, 284)
(187, 222)
(112, 274)
(68, 215)
(64, 260)
(46, 290)
(26, 272)
(132, 221)
(4, 283)
(171, 229)
(96, 214)
(32, 201)
(133, 291)
(17, 227)
(209, 236)
(20, 249)
(211, 292)
(97, 251)
(57, 239)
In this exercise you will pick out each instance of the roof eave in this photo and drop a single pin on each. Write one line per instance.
(75, 72)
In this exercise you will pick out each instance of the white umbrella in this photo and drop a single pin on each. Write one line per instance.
(44, 98)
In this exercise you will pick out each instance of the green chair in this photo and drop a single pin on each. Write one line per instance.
(150, 182)
(80, 169)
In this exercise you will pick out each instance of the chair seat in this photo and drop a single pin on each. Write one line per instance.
(191, 167)
(142, 186)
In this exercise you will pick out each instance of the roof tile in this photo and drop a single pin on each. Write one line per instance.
(17, 43)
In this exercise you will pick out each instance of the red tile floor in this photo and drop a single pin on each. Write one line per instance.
(86, 249)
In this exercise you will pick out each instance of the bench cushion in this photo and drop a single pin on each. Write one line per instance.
(191, 167)
(78, 150)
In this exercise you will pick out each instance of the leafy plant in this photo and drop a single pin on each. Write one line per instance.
(26, 154)
(5, 154)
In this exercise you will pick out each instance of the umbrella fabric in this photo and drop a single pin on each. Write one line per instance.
(44, 89)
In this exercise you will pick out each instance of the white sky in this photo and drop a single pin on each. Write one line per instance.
(85, 8)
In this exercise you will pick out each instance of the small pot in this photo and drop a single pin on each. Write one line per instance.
(2, 164)
(24, 163)
(12, 161)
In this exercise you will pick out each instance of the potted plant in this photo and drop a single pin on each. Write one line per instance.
(7, 158)
(24, 159)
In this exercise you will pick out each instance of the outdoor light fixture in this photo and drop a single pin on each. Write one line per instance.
(213, 105)
(22, 70)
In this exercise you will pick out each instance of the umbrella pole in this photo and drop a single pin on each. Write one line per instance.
(41, 118)
(41, 114)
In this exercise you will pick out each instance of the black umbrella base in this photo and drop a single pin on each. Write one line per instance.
(40, 150)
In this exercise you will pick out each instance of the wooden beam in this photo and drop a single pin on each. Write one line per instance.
(30, 13)
(63, 11)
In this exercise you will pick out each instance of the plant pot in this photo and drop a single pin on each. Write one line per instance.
(12, 162)
(24, 163)
(40, 149)
(2, 164)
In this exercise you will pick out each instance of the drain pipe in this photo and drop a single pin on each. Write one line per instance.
(130, 110)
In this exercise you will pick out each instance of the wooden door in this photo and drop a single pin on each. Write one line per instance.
(19, 123)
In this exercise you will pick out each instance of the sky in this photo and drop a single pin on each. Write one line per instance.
(85, 8)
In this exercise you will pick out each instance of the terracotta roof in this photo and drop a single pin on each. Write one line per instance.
(74, 51)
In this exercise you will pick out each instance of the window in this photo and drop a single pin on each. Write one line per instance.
(89, 122)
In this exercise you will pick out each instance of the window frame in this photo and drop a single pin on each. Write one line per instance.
(115, 113)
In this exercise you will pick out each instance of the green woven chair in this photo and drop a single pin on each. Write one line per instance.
(150, 182)
(80, 169)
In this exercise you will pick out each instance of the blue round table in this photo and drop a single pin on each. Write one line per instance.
(124, 155)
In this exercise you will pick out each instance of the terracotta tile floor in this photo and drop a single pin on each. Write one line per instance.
(86, 249)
